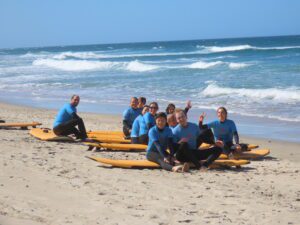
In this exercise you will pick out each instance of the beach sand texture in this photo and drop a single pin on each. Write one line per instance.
(53, 183)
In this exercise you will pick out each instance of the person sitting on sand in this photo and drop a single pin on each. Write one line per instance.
(67, 120)
(171, 108)
(129, 116)
(149, 119)
(186, 140)
(141, 102)
(138, 123)
(161, 138)
(224, 130)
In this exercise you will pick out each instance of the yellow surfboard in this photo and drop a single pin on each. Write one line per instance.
(109, 139)
(21, 125)
(106, 132)
(252, 154)
(206, 146)
(46, 134)
(148, 164)
(121, 147)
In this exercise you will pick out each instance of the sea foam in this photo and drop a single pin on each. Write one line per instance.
(203, 65)
(276, 94)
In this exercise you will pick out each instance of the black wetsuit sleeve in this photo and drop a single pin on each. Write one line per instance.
(236, 137)
(186, 110)
(171, 146)
(126, 125)
(202, 126)
(75, 116)
(161, 152)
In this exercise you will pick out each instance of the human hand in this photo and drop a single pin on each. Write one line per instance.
(238, 148)
(166, 160)
(183, 140)
(219, 143)
(189, 104)
(201, 117)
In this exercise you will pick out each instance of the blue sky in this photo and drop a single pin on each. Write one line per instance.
(33, 23)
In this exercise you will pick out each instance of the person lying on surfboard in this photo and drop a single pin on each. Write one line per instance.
(149, 119)
(160, 139)
(141, 102)
(186, 136)
(171, 108)
(67, 119)
(129, 116)
(139, 124)
(224, 131)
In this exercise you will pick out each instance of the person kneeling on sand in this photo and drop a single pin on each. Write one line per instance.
(224, 131)
(129, 115)
(67, 120)
(186, 140)
(161, 138)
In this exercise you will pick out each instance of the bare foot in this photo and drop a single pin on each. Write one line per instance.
(203, 169)
(186, 167)
(177, 169)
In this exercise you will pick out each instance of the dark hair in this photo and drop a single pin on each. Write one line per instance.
(161, 115)
(224, 109)
(135, 98)
(154, 103)
(73, 96)
(143, 100)
(146, 106)
(169, 106)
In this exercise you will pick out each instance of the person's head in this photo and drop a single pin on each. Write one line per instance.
(181, 117)
(75, 100)
(153, 108)
(145, 109)
(222, 114)
(170, 108)
(141, 102)
(134, 102)
(161, 120)
(171, 119)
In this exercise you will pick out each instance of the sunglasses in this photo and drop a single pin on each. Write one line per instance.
(153, 107)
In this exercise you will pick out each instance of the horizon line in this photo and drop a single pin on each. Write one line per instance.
(144, 42)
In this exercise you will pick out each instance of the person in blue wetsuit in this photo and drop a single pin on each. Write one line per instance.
(141, 102)
(186, 140)
(129, 116)
(67, 120)
(138, 123)
(149, 119)
(224, 130)
(161, 138)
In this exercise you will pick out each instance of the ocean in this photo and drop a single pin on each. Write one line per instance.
(256, 79)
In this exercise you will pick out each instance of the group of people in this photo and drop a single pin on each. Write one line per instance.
(171, 139)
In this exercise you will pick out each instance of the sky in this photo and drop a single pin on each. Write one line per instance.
(38, 23)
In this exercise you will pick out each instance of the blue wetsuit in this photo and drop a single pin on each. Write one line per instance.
(223, 131)
(129, 115)
(64, 114)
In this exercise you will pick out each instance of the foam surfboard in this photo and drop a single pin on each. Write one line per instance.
(109, 139)
(121, 147)
(21, 125)
(46, 134)
(249, 146)
(252, 154)
(106, 132)
(148, 164)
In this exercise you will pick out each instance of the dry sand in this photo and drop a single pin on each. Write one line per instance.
(53, 183)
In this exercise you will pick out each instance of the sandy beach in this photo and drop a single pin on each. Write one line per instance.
(54, 183)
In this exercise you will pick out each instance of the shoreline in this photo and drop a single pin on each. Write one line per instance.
(54, 183)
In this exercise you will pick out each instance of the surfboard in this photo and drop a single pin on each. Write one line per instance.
(121, 147)
(106, 132)
(252, 154)
(21, 125)
(46, 134)
(249, 146)
(109, 139)
(148, 164)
